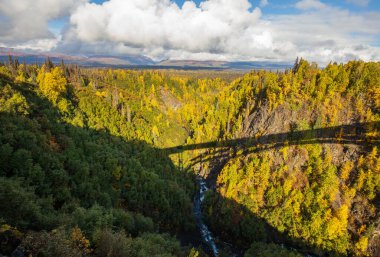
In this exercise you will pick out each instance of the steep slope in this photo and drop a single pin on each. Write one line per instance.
(73, 166)
(294, 186)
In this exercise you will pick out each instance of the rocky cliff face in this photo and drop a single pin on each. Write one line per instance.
(284, 120)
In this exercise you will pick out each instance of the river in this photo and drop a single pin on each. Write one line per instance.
(205, 232)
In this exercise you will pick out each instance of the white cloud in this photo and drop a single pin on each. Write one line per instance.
(225, 30)
(24, 20)
(40, 45)
(359, 2)
(263, 3)
(329, 34)
(161, 23)
(310, 4)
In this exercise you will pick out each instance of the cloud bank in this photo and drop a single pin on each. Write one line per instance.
(160, 25)
(216, 29)
(23, 20)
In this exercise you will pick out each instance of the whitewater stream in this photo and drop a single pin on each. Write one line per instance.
(206, 234)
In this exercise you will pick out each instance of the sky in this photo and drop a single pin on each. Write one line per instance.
(224, 30)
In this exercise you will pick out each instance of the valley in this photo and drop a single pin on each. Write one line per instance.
(117, 162)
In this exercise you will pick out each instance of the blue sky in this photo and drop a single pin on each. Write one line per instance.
(287, 6)
(273, 7)
(247, 30)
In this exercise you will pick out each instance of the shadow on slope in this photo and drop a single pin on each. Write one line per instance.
(54, 172)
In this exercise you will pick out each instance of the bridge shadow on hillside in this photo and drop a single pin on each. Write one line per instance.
(361, 134)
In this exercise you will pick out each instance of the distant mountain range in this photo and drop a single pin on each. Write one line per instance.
(137, 61)
(242, 65)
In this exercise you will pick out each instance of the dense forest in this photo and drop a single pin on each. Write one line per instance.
(103, 162)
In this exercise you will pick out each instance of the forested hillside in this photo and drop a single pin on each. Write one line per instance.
(315, 194)
(79, 173)
(87, 166)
